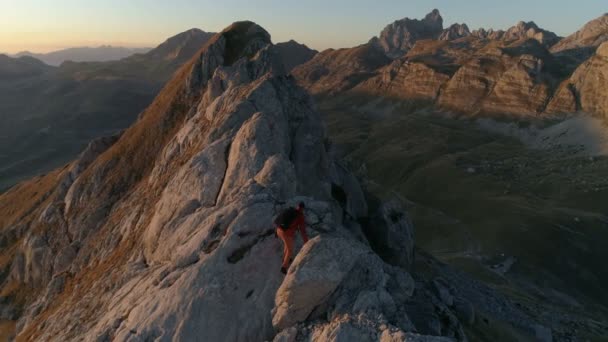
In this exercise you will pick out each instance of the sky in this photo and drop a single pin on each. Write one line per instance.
(47, 25)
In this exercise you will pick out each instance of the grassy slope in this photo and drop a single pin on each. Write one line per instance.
(478, 196)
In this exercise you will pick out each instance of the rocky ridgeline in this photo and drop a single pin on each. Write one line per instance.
(164, 231)
(400, 36)
(521, 30)
(480, 72)
(592, 35)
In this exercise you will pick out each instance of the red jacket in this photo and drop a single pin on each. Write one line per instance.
(298, 224)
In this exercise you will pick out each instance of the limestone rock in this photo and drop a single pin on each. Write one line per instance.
(488, 34)
(397, 38)
(315, 274)
(585, 89)
(172, 219)
(529, 30)
(591, 35)
(455, 31)
(519, 89)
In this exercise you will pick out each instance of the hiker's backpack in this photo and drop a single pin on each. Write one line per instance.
(285, 218)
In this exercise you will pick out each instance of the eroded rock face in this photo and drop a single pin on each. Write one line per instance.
(585, 90)
(399, 37)
(405, 79)
(501, 79)
(455, 31)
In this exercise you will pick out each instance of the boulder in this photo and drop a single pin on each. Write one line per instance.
(314, 275)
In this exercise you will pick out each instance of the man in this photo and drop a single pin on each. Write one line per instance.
(287, 223)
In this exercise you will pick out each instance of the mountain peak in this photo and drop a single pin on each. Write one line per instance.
(399, 37)
(434, 16)
(589, 37)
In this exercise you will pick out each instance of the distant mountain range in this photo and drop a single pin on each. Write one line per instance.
(11, 68)
(524, 70)
(84, 54)
(50, 113)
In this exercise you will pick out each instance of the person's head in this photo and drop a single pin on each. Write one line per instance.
(301, 206)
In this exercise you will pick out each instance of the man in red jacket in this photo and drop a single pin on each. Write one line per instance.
(288, 223)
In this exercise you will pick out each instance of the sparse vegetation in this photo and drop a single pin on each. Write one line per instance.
(479, 198)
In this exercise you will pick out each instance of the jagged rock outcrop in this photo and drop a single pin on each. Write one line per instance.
(488, 34)
(588, 37)
(164, 231)
(293, 54)
(336, 291)
(529, 30)
(585, 90)
(399, 37)
(455, 31)
(521, 30)
(332, 71)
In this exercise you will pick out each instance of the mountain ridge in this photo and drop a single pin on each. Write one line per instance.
(100, 53)
(168, 221)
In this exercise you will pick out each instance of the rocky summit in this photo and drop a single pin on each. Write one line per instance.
(400, 36)
(164, 231)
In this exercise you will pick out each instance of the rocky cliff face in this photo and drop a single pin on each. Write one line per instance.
(164, 231)
(470, 76)
(585, 90)
(500, 79)
(529, 30)
(399, 37)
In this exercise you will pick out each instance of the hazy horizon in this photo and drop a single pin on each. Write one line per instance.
(43, 26)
